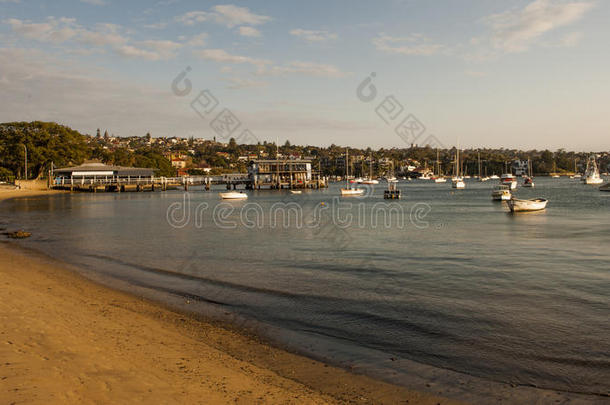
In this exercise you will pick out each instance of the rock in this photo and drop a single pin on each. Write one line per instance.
(18, 234)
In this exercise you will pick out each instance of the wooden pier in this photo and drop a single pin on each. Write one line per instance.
(95, 177)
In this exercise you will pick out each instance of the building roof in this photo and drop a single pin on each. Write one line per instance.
(100, 167)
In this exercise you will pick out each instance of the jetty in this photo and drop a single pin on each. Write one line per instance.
(270, 174)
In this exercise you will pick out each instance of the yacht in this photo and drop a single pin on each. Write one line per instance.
(592, 173)
(438, 177)
(349, 190)
(457, 181)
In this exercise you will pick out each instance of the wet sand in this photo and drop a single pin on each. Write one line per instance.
(66, 339)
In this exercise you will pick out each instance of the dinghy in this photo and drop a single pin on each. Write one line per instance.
(536, 204)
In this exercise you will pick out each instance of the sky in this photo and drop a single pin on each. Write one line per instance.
(479, 73)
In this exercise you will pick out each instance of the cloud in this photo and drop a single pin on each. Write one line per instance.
(155, 26)
(516, 30)
(198, 40)
(572, 39)
(241, 83)
(62, 29)
(220, 55)
(307, 68)
(94, 2)
(249, 32)
(227, 15)
(59, 30)
(131, 51)
(52, 30)
(313, 36)
(414, 44)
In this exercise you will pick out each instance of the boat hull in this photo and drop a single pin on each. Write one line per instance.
(593, 180)
(351, 191)
(233, 196)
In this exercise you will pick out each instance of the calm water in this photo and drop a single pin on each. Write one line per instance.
(521, 298)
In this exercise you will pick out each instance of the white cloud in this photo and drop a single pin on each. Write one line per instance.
(155, 26)
(198, 40)
(220, 55)
(241, 83)
(164, 48)
(517, 30)
(227, 15)
(249, 32)
(131, 51)
(312, 35)
(52, 30)
(94, 2)
(414, 44)
(307, 68)
(59, 30)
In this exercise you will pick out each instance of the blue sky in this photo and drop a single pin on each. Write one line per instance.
(523, 74)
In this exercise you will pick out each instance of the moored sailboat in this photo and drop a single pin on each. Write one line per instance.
(349, 190)
(592, 173)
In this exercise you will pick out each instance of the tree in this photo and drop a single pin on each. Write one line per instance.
(46, 142)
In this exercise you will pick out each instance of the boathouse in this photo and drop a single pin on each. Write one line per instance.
(94, 175)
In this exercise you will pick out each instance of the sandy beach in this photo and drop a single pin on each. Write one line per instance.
(66, 339)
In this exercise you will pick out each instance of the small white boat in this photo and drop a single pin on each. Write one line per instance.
(484, 178)
(369, 181)
(296, 192)
(536, 204)
(352, 191)
(555, 176)
(440, 180)
(233, 195)
(501, 193)
(575, 176)
(494, 177)
(458, 182)
(424, 177)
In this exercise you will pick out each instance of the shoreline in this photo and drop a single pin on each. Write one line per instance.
(68, 338)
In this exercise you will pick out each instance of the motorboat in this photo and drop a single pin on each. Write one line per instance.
(517, 205)
(501, 193)
(494, 177)
(508, 179)
(605, 187)
(233, 195)
(296, 191)
(440, 180)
